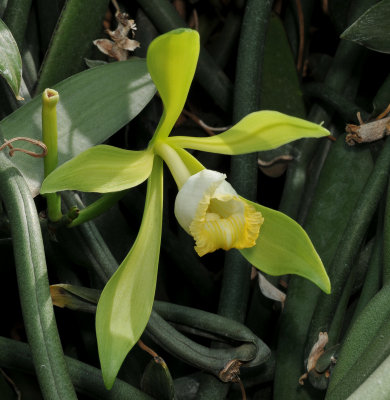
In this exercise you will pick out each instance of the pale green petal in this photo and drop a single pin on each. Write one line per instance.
(171, 61)
(101, 169)
(126, 301)
(283, 247)
(259, 131)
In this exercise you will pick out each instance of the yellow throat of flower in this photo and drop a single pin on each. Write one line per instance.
(221, 220)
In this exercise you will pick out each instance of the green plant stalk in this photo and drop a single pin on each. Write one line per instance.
(213, 80)
(50, 137)
(348, 247)
(87, 244)
(243, 174)
(343, 65)
(98, 207)
(87, 379)
(48, 14)
(343, 106)
(248, 347)
(80, 23)
(367, 340)
(31, 52)
(38, 315)
(212, 360)
(381, 100)
(234, 294)
(373, 279)
(16, 18)
(325, 225)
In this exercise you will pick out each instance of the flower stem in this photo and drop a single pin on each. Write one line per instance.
(174, 162)
(98, 207)
(49, 134)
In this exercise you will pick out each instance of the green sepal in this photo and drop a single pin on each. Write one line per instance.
(101, 169)
(283, 247)
(126, 302)
(258, 131)
(171, 61)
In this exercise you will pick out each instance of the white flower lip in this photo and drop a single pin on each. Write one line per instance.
(209, 209)
(193, 191)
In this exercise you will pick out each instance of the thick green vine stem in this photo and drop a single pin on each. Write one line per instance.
(50, 137)
(243, 175)
(38, 315)
(346, 108)
(16, 17)
(79, 19)
(349, 246)
(87, 379)
(98, 207)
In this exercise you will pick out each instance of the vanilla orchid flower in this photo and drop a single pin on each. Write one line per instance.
(207, 206)
(209, 209)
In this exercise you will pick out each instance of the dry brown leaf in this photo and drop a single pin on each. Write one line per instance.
(316, 352)
(120, 44)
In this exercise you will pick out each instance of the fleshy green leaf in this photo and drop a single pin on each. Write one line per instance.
(10, 60)
(126, 301)
(283, 247)
(172, 60)
(258, 131)
(372, 28)
(101, 169)
(94, 104)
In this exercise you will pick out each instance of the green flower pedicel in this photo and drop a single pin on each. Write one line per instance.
(207, 206)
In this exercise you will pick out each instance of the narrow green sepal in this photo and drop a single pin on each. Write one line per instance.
(258, 131)
(171, 61)
(101, 169)
(126, 302)
(283, 247)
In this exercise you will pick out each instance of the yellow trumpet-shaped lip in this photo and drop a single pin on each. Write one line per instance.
(210, 210)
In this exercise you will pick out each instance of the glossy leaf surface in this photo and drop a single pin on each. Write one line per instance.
(94, 105)
(10, 60)
(283, 247)
(126, 301)
(101, 169)
(372, 28)
(172, 60)
(258, 131)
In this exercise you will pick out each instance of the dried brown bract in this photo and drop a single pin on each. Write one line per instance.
(369, 131)
(120, 45)
(315, 353)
